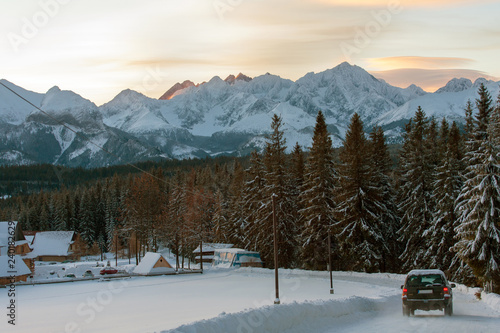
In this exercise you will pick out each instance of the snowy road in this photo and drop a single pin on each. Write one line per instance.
(470, 316)
(237, 301)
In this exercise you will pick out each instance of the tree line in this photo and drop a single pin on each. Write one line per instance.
(438, 208)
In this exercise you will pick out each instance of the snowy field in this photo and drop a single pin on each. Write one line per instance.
(241, 300)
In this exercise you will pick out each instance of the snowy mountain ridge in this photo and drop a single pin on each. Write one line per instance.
(230, 116)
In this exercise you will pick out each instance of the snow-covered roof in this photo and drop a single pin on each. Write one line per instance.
(18, 269)
(210, 247)
(30, 238)
(52, 243)
(146, 266)
(235, 250)
(426, 272)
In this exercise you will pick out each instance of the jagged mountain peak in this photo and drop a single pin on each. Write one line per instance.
(14, 110)
(415, 90)
(65, 106)
(231, 79)
(243, 77)
(127, 96)
(62, 100)
(480, 81)
(176, 88)
(455, 85)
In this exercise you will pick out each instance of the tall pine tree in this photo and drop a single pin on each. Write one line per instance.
(478, 207)
(317, 198)
(415, 193)
(360, 208)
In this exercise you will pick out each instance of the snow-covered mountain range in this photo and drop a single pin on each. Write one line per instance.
(230, 116)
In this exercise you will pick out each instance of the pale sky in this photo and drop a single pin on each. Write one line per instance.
(99, 48)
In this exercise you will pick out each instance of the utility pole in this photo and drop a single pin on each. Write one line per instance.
(116, 248)
(201, 253)
(276, 280)
(330, 261)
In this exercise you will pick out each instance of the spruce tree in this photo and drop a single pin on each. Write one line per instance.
(234, 222)
(276, 183)
(360, 208)
(478, 205)
(86, 219)
(415, 193)
(381, 164)
(317, 198)
(447, 186)
(252, 198)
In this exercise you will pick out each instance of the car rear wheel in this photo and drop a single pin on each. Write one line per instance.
(448, 310)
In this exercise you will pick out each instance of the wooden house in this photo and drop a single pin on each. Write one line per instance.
(55, 246)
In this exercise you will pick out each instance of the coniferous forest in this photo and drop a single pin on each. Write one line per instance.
(437, 207)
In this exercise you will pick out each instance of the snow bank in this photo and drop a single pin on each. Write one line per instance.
(493, 300)
(278, 318)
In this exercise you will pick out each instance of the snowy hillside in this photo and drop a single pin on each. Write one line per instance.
(230, 116)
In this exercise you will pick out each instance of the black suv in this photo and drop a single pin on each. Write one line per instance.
(427, 289)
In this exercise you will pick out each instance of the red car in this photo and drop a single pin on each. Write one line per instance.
(109, 270)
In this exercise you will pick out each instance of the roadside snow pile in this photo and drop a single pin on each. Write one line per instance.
(293, 317)
(492, 300)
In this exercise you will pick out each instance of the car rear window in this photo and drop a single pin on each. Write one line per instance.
(424, 280)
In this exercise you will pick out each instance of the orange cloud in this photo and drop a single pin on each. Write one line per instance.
(389, 63)
(428, 79)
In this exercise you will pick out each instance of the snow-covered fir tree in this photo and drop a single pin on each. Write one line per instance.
(478, 205)
(447, 186)
(276, 183)
(86, 219)
(317, 198)
(360, 207)
(234, 219)
(381, 164)
(415, 192)
(252, 198)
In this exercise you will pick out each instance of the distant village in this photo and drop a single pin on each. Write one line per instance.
(20, 250)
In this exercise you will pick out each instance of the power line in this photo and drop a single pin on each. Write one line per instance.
(81, 135)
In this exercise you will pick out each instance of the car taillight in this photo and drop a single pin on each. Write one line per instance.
(446, 292)
(405, 293)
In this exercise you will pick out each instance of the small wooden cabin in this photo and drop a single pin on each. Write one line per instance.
(153, 264)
